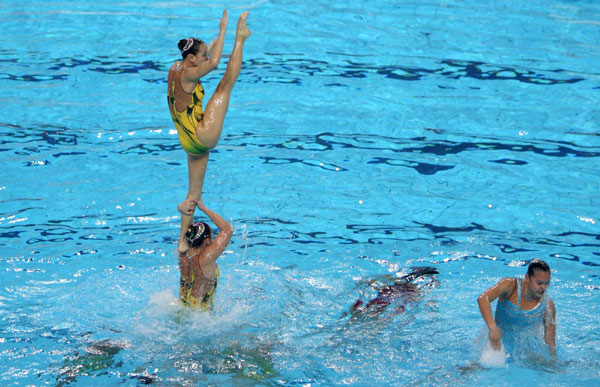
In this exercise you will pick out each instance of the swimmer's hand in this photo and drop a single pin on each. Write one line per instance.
(187, 207)
(495, 337)
(223, 23)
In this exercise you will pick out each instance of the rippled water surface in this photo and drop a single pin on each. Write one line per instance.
(362, 139)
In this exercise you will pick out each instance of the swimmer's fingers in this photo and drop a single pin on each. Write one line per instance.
(223, 23)
(187, 207)
(495, 345)
(495, 337)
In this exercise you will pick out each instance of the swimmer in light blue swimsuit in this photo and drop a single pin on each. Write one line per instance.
(524, 309)
(516, 323)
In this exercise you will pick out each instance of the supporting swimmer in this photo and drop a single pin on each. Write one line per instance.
(198, 264)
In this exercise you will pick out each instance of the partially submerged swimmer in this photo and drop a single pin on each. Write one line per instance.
(93, 359)
(198, 264)
(401, 291)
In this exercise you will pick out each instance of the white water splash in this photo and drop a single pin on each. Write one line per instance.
(490, 358)
(165, 320)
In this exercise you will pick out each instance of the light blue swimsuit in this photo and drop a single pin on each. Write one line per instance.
(520, 326)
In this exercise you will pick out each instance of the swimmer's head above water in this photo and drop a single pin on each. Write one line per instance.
(197, 233)
(537, 279)
(537, 265)
(192, 46)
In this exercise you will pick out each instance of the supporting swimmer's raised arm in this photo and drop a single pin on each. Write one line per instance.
(220, 242)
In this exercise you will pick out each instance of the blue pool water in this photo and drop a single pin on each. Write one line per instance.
(362, 138)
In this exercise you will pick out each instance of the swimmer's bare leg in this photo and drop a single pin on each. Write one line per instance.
(196, 172)
(209, 129)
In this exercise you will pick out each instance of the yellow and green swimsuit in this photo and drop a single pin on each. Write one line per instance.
(187, 120)
(206, 302)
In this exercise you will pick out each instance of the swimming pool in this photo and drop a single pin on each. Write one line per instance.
(363, 138)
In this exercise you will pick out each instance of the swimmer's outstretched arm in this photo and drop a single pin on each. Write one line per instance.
(220, 242)
(215, 48)
(501, 290)
(193, 74)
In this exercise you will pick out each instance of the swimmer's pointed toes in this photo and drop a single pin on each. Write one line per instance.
(242, 28)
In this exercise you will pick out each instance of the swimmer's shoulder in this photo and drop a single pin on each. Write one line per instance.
(175, 66)
(507, 287)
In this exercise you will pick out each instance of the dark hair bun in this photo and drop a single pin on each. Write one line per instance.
(181, 44)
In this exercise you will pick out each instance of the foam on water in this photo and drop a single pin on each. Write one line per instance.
(491, 358)
(165, 319)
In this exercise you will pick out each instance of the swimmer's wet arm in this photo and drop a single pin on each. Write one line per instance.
(222, 239)
(217, 219)
(494, 333)
(485, 308)
(550, 327)
(216, 48)
(501, 290)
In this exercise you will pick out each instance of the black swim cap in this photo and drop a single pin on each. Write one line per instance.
(537, 265)
(197, 233)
